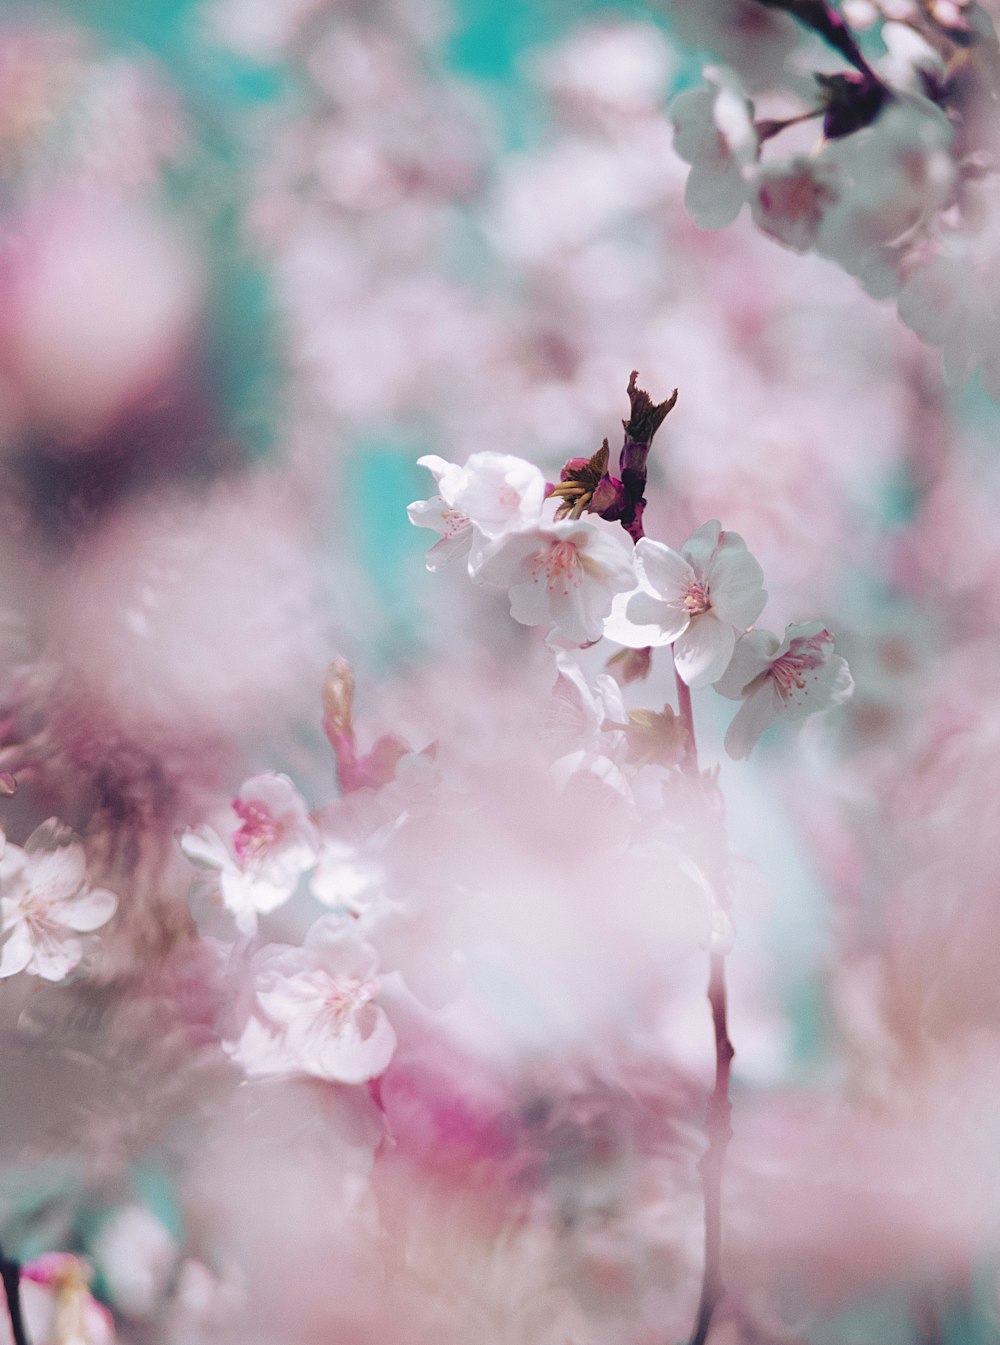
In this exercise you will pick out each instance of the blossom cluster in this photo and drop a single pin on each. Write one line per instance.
(897, 188)
(583, 582)
(430, 1024)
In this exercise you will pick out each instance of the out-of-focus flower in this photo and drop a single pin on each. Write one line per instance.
(67, 375)
(695, 600)
(58, 1306)
(136, 1256)
(714, 133)
(440, 516)
(315, 1009)
(346, 877)
(786, 679)
(492, 495)
(499, 492)
(272, 845)
(47, 902)
(563, 575)
(790, 197)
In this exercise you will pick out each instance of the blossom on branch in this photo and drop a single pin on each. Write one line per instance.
(714, 132)
(260, 863)
(782, 679)
(492, 495)
(47, 903)
(562, 574)
(695, 600)
(315, 1011)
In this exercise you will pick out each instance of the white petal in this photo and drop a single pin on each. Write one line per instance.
(449, 549)
(205, 848)
(735, 582)
(714, 194)
(579, 610)
(639, 621)
(243, 892)
(13, 862)
(339, 949)
(359, 1051)
(54, 958)
(16, 951)
(700, 547)
(703, 652)
(695, 132)
(757, 713)
(531, 606)
(508, 560)
(661, 571)
(91, 909)
(754, 653)
(500, 492)
(54, 875)
(823, 687)
(446, 474)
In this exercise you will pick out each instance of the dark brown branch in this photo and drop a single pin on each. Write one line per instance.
(719, 1130)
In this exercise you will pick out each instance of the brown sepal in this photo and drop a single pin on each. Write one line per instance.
(646, 416)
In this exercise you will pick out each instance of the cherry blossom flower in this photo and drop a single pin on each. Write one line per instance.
(786, 679)
(499, 492)
(315, 1011)
(441, 516)
(790, 197)
(58, 1306)
(714, 133)
(493, 494)
(562, 574)
(47, 902)
(272, 845)
(695, 600)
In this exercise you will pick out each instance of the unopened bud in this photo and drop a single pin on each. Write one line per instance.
(630, 665)
(338, 699)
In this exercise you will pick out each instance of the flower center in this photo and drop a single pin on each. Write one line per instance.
(454, 522)
(37, 911)
(696, 599)
(561, 564)
(509, 497)
(346, 997)
(258, 830)
(803, 656)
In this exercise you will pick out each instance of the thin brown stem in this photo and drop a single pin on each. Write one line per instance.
(684, 710)
(718, 1126)
(719, 1130)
